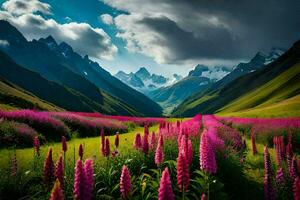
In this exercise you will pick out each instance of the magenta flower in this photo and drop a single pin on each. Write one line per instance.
(79, 181)
(203, 197)
(36, 145)
(107, 147)
(57, 193)
(125, 183)
(293, 169)
(207, 155)
(165, 191)
(161, 140)
(183, 176)
(280, 180)
(64, 144)
(152, 141)
(117, 140)
(190, 152)
(80, 151)
(145, 141)
(48, 172)
(296, 189)
(59, 170)
(268, 188)
(138, 141)
(159, 155)
(89, 179)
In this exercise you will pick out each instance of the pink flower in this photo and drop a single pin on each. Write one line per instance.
(64, 143)
(203, 197)
(89, 179)
(165, 191)
(138, 141)
(207, 155)
(159, 155)
(48, 172)
(190, 152)
(79, 181)
(145, 141)
(107, 147)
(57, 193)
(117, 140)
(36, 144)
(59, 170)
(296, 189)
(152, 141)
(183, 176)
(80, 151)
(125, 183)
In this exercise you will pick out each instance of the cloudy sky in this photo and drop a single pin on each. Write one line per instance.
(166, 36)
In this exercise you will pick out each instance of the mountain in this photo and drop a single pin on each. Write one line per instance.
(258, 61)
(55, 93)
(145, 82)
(271, 90)
(198, 79)
(143, 74)
(59, 63)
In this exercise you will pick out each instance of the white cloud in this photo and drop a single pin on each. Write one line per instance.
(84, 39)
(4, 43)
(19, 7)
(106, 19)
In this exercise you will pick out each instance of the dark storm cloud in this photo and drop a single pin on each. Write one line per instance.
(175, 30)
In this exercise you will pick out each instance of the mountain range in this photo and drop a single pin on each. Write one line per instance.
(268, 90)
(60, 66)
(145, 82)
(203, 77)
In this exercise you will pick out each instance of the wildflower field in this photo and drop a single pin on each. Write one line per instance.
(84, 156)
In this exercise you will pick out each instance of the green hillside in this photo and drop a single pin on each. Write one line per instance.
(13, 97)
(258, 90)
(278, 97)
(57, 94)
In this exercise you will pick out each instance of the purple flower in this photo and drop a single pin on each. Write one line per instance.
(280, 177)
(268, 188)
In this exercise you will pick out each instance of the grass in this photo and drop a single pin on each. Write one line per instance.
(12, 97)
(278, 97)
(92, 150)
